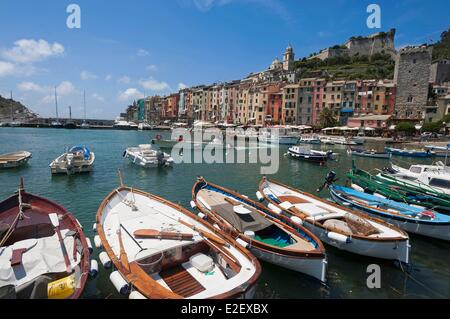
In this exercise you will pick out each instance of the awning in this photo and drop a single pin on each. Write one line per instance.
(369, 129)
(347, 110)
(392, 127)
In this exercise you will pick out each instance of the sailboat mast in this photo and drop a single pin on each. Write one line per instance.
(56, 104)
(70, 112)
(84, 102)
(11, 104)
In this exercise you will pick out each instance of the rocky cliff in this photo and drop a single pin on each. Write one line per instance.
(11, 110)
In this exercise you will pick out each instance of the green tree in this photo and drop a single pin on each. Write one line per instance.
(406, 127)
(326, 119)
(433, 127)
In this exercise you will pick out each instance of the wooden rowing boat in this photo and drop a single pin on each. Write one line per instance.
(43, 250)
(199, 262)
(277, 240)
(413, 219)
(15, 159)
(338, 226)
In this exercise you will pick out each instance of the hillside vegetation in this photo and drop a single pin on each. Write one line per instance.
(378, 66)
(19, 111)
(441, 50)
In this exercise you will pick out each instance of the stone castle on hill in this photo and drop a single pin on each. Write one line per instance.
(375, 43)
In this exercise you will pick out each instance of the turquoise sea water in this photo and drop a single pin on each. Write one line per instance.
(82, 194)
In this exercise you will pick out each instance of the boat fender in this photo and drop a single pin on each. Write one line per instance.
(89, 244)
(339, 237)
(245, 196)
(201, 215)
(216, 226)
(136, 295)
(104, 259)
(274, 208)
(97, 241)
(93, 269)
(124, 153)
(357, 188)
(297, 220)
(346, 204)
(259, 196)
(242, 243)
(193, 205)
(119, 283)
(94, 227)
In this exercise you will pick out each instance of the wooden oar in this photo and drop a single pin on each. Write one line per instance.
(55, 222)
(153, 233)
(205, 234)
(123, 255)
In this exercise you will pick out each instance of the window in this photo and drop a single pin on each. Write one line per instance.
(378, 98)
(410, 99)
(438, 182)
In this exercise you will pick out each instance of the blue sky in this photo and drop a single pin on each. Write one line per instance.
(126, 49)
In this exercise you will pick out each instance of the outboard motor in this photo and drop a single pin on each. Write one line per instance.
(160, 158)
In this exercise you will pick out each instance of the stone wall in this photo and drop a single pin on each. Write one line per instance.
(440, 72)
(375, 43)
(412, 73)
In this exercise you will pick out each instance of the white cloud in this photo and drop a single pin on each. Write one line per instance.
(98, 97)
(7, 68)
(65, 88)
(108, 77)
(154, 85)
(130, 94)
(31, 87)
(86, 75)
(124, 79)
(142, 52)
(29, 51)
(182, 86)
(151, 67)
(12, 69)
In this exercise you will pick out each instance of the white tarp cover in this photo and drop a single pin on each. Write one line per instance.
(43, 258)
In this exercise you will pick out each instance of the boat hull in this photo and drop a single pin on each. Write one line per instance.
(59, 166)
(312, 267)
(21, 160)
(391, 250)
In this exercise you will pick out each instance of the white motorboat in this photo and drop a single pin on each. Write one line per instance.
(144, 126)
(15, 159)
(161, 250)
(338, 226)
(440, 151)
(414, 171)
(78, 159)
(144, 155)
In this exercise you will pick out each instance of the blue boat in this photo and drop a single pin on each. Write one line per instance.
(411, 218)
(409, 153)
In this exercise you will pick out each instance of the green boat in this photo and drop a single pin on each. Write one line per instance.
(400, 191)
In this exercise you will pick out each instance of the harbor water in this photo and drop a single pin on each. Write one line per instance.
(428, 276)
